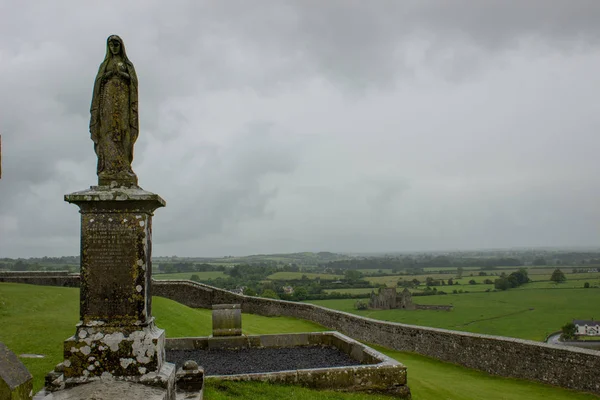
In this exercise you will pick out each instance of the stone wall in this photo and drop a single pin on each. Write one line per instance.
(45, 278)
(566, 367)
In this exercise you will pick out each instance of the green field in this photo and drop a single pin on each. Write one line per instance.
(27, 312)
(203, 276)
(351, 290)
(36, 319)
(519, 313)
(282, 276)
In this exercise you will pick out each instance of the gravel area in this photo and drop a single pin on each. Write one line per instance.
(231, 362)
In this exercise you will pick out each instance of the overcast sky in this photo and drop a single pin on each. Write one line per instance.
(280, 126)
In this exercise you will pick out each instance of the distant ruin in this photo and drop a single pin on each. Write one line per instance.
(388, 298)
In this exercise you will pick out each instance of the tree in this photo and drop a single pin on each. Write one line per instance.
(472, 282)
(558, 276)
(429, 281)
(450, 282)
(520, 276)
(568, 331)
(167, 268)
(249, 292)
(269, 294)
(20, 266)
(353, 275)
(361, 305)
(586, 285)
(502, 283)
(300, 293)
(459, 272)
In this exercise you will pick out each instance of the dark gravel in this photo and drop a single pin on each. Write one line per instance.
(231, 362)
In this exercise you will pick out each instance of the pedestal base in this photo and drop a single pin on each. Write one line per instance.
(154, 386)
(96, 352)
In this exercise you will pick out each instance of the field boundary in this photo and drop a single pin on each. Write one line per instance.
(567, 367)
(570, 368)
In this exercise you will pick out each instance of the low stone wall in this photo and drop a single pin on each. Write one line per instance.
(566, 367)
(44, 278)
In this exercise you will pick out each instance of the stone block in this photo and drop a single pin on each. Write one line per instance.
(228, 343)
(96, 352)
(16, 383)
(190, 378)
(227, 320)
(109, 390)
(285, 340)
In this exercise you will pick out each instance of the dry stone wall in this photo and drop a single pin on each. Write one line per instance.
(45, 278)
(566, 367)
(570, 368)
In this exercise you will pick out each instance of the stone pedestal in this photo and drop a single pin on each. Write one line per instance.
(116, 337)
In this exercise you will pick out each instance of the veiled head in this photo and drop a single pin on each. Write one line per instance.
(115, 47)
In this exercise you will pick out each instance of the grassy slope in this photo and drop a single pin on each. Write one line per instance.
(526, 314)
(36, 319)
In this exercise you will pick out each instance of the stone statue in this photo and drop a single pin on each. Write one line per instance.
(114, 116)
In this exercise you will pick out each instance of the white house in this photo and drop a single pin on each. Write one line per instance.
(587, 328)
(288, 290)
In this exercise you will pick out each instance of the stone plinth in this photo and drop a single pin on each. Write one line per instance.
(116, 336)
(16, 383)
(227, 320)
(116, 247)
(190, 380)
(107, 390)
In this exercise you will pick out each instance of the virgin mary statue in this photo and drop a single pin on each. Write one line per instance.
(114, 116)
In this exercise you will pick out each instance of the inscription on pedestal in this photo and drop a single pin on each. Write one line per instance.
(111, 266)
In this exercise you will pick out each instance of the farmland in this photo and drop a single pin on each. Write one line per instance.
(27, 310)
(519, 313)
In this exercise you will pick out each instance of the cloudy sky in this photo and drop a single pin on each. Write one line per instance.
(280, 126)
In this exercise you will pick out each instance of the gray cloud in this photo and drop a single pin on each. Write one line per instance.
(273, 126)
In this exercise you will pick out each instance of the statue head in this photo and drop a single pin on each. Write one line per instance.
(115, 47)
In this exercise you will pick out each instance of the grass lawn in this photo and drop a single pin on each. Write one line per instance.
(36, 319)
(204, 276)
(351, 290)
(520, 313)
(431, 379)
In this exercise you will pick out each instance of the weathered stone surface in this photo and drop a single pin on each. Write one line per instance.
(108, 390)
(565, 367)
(387, 298)
(16, 383)
(384, 374)
(47, 278)
(116, 245)
(190, 379)
(97, 352)
(116, 337)
(227, 320)
(114, 122)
